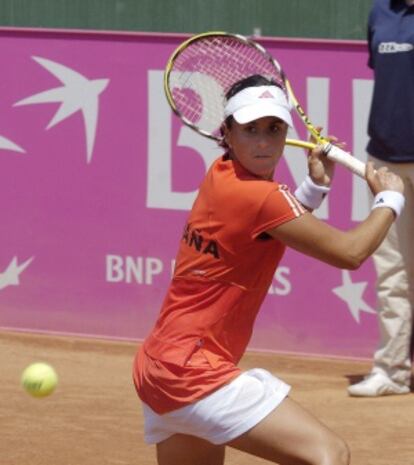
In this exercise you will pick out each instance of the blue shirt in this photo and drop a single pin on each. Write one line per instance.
(391, 56)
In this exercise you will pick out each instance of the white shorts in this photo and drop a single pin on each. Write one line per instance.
(223, 415)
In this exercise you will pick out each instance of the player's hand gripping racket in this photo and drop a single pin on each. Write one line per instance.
(203, 68)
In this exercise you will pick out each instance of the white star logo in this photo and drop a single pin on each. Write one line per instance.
(10, 277)
(7, 144)
(77, 94)
(352, 293)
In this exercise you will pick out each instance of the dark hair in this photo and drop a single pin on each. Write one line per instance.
(252, 81)
(255, 80)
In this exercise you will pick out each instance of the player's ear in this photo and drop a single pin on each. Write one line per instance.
(225, 134)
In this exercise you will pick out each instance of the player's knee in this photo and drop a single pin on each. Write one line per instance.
(330, 450)
(343, 454)
(336, 452)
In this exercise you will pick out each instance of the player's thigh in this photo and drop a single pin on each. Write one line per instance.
(181, 449)
(291, 435)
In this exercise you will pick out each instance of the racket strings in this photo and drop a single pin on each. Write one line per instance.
(206, 69)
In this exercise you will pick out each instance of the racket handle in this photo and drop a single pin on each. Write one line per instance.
(344, 158)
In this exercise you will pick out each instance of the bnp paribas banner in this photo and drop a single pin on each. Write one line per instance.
(98, 176)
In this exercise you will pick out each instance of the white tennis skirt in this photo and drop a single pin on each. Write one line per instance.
(223, 415)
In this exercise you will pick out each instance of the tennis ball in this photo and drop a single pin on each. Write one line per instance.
(39, 379)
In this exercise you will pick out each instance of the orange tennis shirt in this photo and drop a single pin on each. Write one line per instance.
(224, 267)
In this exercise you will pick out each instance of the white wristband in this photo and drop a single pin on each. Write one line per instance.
(310, 194)
(391, 199)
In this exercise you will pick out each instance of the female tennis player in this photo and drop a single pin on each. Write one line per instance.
(195, 399)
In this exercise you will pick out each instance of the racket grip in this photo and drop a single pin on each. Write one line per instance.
(344, 158)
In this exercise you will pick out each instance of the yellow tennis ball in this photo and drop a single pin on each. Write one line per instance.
(39, 379)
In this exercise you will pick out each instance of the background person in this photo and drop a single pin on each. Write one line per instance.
(391, 132)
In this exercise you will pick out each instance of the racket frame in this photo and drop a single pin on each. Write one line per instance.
(331, 151)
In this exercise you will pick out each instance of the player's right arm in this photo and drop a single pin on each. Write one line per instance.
(343, 249)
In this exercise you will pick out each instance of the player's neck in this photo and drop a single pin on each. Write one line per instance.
(409, 2)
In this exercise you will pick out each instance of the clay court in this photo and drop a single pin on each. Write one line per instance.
(94, 417)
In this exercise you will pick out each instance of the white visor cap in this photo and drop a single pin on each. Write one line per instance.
(257, 102)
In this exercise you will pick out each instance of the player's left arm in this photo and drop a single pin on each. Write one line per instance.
(343, 249)
(348, 249)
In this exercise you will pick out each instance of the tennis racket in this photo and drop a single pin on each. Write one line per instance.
(204, 67)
